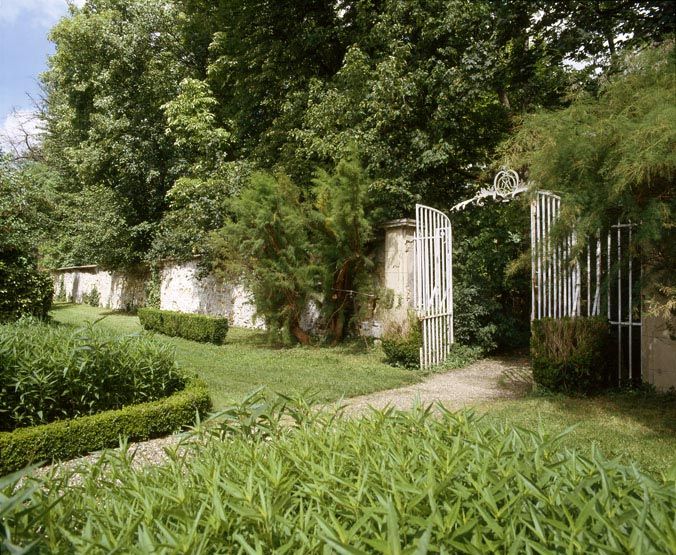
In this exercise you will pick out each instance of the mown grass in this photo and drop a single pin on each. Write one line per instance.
(246, 361)
(632, 426)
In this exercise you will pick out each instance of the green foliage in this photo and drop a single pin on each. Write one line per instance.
(152, 288)
(570, 355)
(462, 355)
(24, 218)
(66, 439)
(91, 230)
(286, 478)
(24, 290)
(92, 298)
(291, 249)
(267, 245)
(612, 157)
(344, 231)
(196, 327)
(49, 373)
(402, 344)
(116, 63)
(162, 103)
(247, 361)
(491, 298)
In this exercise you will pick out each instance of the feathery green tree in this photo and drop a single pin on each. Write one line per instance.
(613, 157)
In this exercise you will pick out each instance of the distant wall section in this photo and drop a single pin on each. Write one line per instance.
(117, 290)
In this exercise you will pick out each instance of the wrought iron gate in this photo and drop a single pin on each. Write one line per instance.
(555, 291)
(434, 284)
(568, 278)
(600, 277)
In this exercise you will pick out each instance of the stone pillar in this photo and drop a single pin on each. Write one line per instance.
(396, 274)
(658, 352)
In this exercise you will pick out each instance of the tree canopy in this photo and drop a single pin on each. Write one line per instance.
(161, 106)
(165, 118)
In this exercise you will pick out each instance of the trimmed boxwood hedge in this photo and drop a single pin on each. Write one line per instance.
(197, 327)
(66, 439)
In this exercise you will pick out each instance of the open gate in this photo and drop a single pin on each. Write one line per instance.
(568, 279)
(433, 284)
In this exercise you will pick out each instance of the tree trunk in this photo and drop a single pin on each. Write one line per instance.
(298, 333)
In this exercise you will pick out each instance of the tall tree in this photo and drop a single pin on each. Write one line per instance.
(117, 62)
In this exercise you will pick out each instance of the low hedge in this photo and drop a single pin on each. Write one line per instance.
(197, 327)
(570, 355)
(66, 439)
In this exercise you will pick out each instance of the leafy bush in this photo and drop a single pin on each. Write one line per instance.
(197, 327)
(291, 480)
(462, 355)
(24, 290)
(66, 439)
(49, 373)
(570, 355)
(93, 298)
(401, 344)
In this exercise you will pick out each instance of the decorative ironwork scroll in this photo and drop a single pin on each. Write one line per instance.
(506, 185)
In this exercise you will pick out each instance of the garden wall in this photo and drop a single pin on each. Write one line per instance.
(117, 290)
(184, 288)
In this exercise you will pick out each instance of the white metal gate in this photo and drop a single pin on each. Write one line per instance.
(601, 277)
(434, 284)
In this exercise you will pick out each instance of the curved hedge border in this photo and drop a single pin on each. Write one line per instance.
(196, 327)
(66, 439)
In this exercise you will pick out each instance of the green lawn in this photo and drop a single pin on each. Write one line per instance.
(245, 362)
(633, 427)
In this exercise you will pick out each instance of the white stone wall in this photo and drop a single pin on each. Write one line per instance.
(184, 290)
(117, 291)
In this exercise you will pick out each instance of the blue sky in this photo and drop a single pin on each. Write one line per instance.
(24, 49)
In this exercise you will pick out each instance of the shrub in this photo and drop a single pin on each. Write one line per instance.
(570, 355)
(292, 480)
(93, 298)
(401, 344)
(197, 327)
(462, 355)
(66, 439)
(24, 290)
(49, 372)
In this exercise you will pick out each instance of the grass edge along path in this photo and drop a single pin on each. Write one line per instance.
(246, 362)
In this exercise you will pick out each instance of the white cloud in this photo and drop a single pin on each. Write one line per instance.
(43, 13)
(20, 130)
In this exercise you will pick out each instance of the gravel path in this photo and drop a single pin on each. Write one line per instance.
(485, 380)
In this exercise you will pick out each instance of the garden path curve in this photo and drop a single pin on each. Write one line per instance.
(484, 380)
